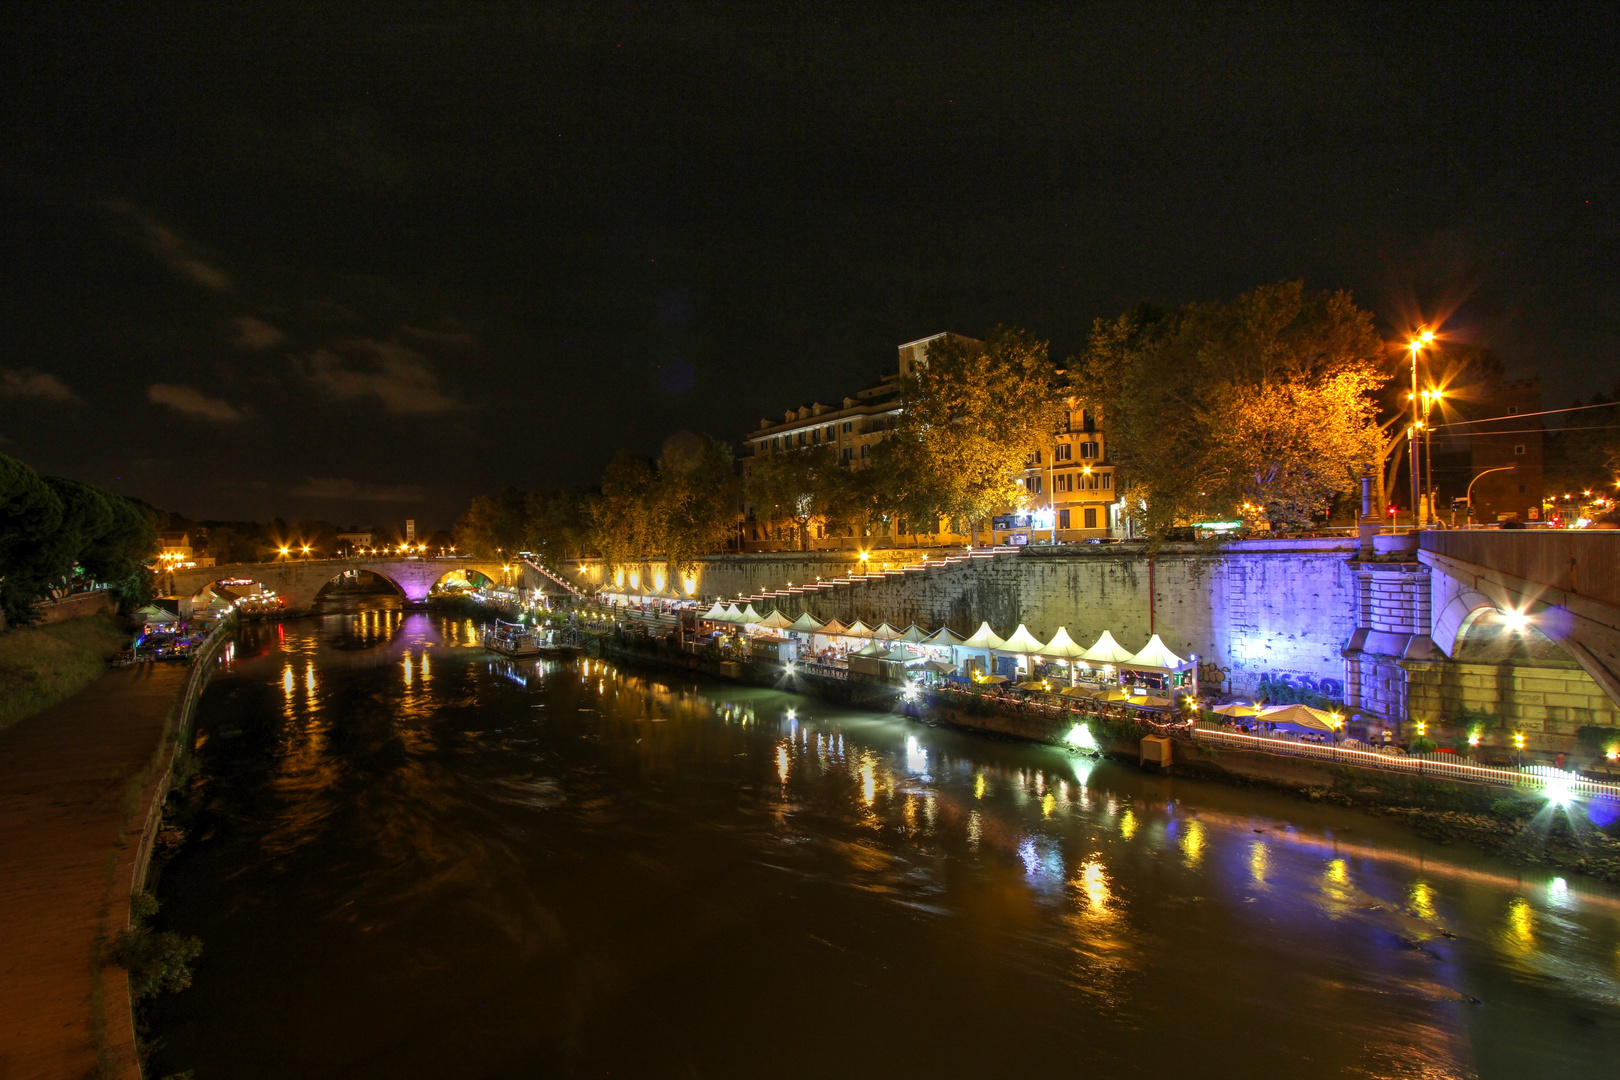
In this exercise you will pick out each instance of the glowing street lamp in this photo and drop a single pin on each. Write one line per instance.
(1518, 745)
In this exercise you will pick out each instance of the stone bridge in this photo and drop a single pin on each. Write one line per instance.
(299, 582)
(1564, 583)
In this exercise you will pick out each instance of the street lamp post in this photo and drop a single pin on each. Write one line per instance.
(1416, 344)
(1469, 497)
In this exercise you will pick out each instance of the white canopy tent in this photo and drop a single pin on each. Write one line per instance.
(1025, 644)
(986, 639)
(1066, 648)
(775, 621)
(1107, 650)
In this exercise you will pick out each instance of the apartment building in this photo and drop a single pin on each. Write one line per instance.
(852, 428)
(1071, 488)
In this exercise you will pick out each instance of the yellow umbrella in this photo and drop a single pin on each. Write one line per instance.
(1236, 708)
(1116, 694)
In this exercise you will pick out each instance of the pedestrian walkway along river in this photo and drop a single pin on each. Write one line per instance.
(413, 858)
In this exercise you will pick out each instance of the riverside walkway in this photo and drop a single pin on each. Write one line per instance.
(69, 832)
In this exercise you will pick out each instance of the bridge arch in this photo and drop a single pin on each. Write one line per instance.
(1461, 611)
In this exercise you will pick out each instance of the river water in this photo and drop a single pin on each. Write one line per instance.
(415, 859)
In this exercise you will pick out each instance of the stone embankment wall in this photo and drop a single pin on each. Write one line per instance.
(78, 606)
(1251, 610)
(1548, 704)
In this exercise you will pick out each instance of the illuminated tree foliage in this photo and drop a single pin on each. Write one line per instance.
(1263, 406)
(57, 533)
(971, 419)
(799, 488)
(682, 506)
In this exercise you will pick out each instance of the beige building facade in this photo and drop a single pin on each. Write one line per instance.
(1070, 484)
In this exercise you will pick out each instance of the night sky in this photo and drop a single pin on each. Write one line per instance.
(290, 260)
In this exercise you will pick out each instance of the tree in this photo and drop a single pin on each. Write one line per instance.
(623, 522)
(1262, 406)
(973, 418)
(696, 498)
(554, 525)
(1586, 458)
(30, 513)
(797, 487)
(493, 524)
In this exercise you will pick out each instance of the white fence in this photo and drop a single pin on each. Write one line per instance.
(1431, 765)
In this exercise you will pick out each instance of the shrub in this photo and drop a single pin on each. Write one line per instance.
(1424, 746)
(157, 960)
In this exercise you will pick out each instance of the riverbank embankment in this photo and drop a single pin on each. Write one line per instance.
(1502, 821)
(43, 665)
(80, 787)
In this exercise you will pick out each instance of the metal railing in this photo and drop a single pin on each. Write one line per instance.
(825, 671)
(1430, 765)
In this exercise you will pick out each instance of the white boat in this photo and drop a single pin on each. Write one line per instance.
(509, 639)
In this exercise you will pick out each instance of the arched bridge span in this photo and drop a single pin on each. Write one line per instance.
(300, 582)
(1567, 582)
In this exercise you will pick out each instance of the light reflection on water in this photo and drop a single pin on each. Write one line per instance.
(439, 862)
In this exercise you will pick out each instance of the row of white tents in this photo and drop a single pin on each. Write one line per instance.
(1155, 656)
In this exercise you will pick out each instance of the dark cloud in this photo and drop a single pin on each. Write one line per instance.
(193, 402)
(333, 488)
(37, 385)
(180, 254)
(255, 334)
(397, 376)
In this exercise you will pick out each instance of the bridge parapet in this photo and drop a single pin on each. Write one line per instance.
(1567, 582)
(1580, 562)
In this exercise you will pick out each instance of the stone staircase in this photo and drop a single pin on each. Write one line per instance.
(798, 596)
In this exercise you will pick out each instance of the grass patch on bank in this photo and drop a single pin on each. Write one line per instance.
(42, 665)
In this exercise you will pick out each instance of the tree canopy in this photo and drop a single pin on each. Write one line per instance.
(1263, 406)
(972, 417)
(51, 527)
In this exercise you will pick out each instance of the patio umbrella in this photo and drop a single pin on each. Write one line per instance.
(1236, 708)
(1115, 694)
(1032, 684)
(995, 680)
(1079, 692)
(1302, 715)
(1155, 702)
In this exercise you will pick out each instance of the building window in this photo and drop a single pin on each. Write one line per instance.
(1091, 517)
(1063, 519)
(1519, 449)
(849, 426)
(776, 443)
(864, 449)
(1035, 484)
(849, 452)
(1062, 482)
(1108, 481)
(832, 432)
(1062, 451)
(801, 438)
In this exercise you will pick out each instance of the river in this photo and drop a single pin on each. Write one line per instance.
(415, 859)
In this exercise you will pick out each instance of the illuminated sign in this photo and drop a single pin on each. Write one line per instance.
(1218, 526)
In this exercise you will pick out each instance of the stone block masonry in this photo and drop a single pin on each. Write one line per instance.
(1251, 610)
